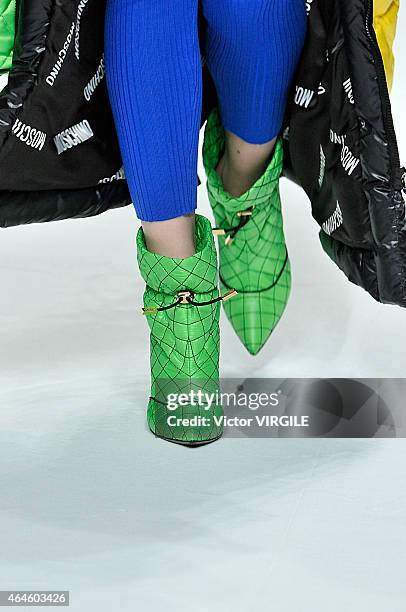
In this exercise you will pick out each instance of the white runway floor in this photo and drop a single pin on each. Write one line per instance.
(91, 502)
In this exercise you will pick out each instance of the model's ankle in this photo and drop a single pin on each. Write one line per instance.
(235, 181)
(174, 238)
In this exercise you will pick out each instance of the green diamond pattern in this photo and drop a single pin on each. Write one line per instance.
(184, 340)
(256, 263)
(7, 26)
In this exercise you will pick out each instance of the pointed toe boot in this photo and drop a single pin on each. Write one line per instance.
(253, 254)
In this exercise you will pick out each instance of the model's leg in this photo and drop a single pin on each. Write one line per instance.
(153, 70)
(253, 48)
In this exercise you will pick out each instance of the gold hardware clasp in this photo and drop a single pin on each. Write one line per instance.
(229, 295)
(246, 213)
(218, 231)
(184, 295)
(147, 311)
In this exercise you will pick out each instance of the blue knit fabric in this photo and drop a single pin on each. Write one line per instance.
(154, 79)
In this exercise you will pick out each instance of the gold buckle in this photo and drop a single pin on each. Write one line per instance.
(217, 231)
(229, 240)
(184, 295)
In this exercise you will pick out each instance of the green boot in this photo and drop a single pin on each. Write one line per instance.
(253, 254)
(182, 305)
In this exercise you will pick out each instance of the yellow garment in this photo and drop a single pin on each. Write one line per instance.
(385, 21)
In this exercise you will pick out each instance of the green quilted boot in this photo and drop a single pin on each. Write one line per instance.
(7, 30)
(182, 305)
(253, 254)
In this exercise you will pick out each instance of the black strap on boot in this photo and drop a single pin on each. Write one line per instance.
(231, 232)
(187, 297)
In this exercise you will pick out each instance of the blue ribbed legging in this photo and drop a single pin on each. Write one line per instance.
(154, 80)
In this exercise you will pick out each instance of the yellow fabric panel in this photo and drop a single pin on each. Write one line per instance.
(385, 22)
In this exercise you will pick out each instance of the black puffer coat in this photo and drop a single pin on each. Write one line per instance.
(59, 156)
